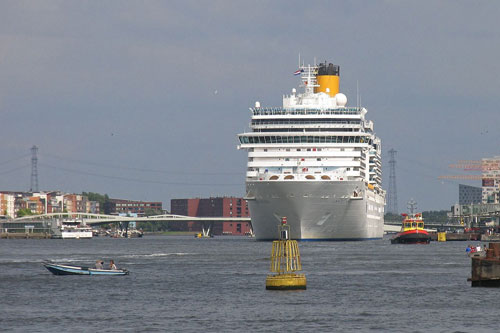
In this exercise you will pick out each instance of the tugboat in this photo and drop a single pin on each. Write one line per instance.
(412, 231)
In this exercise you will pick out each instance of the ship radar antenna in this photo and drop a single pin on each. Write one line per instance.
(412, 206)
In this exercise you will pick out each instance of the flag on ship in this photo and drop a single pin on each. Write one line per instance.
(298, 71)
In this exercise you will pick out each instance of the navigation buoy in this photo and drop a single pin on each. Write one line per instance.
(285, 260)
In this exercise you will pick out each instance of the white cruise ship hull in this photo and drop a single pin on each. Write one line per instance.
(316, 210)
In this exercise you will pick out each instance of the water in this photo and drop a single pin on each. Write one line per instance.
(218, 285)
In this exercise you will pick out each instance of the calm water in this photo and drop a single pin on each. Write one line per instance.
(218, 285)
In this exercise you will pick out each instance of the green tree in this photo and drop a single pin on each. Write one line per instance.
(390, 217)
(103, 199)
(434, 216)
(24, 212)
(152, 226)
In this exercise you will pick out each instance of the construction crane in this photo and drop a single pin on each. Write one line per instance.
(468, 177)
(483, 165)
(470, 165)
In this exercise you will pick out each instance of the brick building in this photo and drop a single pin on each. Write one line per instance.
(120, 206)
(7, 204)
(212, 207)
(45, 202)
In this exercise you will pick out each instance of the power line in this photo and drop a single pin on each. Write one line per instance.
(133, 179)
(106, 165)
(15, 169)
(14, 159)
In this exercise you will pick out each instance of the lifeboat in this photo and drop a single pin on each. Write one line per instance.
(412, 231)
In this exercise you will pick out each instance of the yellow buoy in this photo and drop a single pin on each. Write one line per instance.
(441, 236)
(285, 261)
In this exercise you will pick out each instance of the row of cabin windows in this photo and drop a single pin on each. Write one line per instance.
(304, 139)
(315, 149)
(303, 121)
(312, 149)
(300, 129)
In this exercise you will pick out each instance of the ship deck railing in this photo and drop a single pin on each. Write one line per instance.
(262, 111)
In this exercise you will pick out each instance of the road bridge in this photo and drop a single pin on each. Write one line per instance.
(207, 221)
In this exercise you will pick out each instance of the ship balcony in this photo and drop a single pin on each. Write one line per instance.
(252, 174)
(305, 176)
(368, 125)
(295, 163)
(304, 153)
(276, 111)
(300, 126)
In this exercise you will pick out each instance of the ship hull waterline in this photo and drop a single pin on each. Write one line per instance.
(316, 210)
(412, 237)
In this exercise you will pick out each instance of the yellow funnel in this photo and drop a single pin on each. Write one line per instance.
(328, 79)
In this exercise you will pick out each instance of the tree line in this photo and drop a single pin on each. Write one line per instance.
(435, 216)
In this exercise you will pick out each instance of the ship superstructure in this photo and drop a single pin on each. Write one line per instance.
(315, 161)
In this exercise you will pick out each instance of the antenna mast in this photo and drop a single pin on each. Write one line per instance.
(34, 170)
(392, 195)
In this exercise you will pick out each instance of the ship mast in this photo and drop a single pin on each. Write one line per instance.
(308, 78)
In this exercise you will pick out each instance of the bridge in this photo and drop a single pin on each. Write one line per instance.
(207, 222)
(97, 219)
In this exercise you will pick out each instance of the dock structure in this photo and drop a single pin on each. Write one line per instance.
(25, 235)
(474, 215)
(485, 271)
(27, 230)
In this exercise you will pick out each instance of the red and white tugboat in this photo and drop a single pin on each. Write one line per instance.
(412, 231)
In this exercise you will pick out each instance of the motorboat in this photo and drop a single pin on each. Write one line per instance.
(412, 231)
(476, 251)
(59, 269)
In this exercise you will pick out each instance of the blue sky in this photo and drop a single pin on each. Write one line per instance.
(120, 96)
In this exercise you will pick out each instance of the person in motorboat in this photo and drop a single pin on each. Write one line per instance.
(99, 264)
(112, 265)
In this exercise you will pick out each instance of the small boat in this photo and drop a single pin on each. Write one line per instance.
(412, 231)
(73, 229)
(58, 269)
(476, 251)
(201, 235)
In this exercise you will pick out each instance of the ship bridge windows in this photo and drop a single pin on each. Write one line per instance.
(304, 139)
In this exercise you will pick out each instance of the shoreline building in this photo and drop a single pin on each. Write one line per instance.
(491, 179)
(140, 208)
(212, 207)
(45, 202)
(469, 194)
(7, 204)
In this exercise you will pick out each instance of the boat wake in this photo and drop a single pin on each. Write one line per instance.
(152, 255)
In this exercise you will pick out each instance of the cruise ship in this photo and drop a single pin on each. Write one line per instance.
(316, 162)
